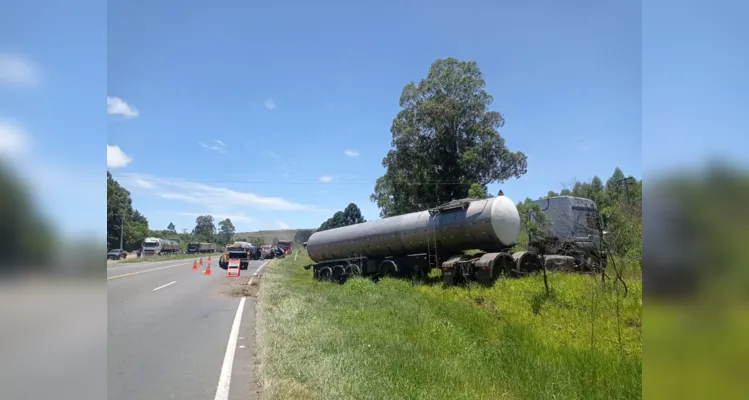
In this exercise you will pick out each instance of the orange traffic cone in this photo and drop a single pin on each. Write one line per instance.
(201, 261)
(209, 259)
(207, 269)
(194, 265)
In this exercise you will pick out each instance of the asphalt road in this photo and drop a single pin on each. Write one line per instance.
(174, 333)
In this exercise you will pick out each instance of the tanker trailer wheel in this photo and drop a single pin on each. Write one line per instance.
(325, 273)
(352, 270)
(338, 274)
(387, 268)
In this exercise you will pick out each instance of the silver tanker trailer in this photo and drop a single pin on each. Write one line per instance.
(416, 243)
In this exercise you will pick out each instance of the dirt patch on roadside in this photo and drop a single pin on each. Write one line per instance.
(243, 286)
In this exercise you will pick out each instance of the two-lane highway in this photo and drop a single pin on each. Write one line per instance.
(174, 332)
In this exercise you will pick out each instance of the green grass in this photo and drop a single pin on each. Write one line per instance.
(133, 259)
(398, 340)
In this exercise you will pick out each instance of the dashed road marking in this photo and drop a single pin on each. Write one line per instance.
(163, 286)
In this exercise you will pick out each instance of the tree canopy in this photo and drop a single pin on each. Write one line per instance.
(445, 139)
(205, 228)
(120, 211)
(226, 231)
(349, 216)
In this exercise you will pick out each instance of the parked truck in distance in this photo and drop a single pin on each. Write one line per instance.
(415, 243)
(193, 248)
(156, 246)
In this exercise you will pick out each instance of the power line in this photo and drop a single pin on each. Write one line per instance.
(316, 182)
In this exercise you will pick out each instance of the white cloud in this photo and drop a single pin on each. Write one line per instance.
(282, 225)
(14, 140)
(17, 70)
(326, 179)
(351, 152)
(117, 106)
(217, 146)
(270, 104)
(116, 158)
(217, 200)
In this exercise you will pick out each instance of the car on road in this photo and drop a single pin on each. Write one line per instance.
(116, 254)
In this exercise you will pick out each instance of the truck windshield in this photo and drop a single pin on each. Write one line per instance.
(150, 244)
(587, 218)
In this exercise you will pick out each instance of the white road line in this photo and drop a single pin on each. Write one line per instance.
(261, 267)
(224, 382)
(255, 274)
(143, 272)
(163, 286)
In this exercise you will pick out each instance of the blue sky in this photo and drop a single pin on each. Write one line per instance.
(239, 109)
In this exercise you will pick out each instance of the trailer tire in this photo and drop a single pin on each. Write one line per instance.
(325, 273)
(338, 274)
(387, 268)
(352, 270)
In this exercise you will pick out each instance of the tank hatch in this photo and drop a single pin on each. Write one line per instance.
(453, 205)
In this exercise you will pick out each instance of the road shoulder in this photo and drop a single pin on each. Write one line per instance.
(243, 385)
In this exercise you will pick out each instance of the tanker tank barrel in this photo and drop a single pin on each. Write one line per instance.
(489, 224)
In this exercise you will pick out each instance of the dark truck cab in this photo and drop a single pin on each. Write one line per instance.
(192, 248)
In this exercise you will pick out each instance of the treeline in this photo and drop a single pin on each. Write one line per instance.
(120, 212)
(349, 216)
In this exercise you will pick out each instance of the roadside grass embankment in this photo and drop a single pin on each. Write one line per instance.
(397, 340)
(171, 257)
